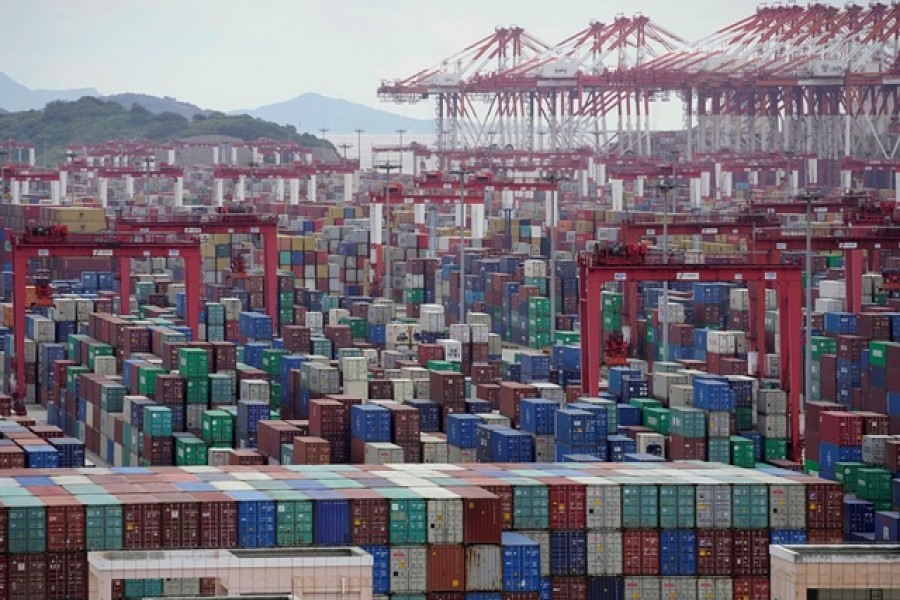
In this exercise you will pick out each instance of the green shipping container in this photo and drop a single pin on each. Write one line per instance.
(147, 379)
(409, 516)
(810, 466)
(103, 522)
(846, 473)
(271, 361)
(677, 506)
(743, 452)
(293, 519)
(193, 362)
(98, 349)
(743, 417)
(322, 347)
(190, 451)
(26, 524)
(221, 388)
(878, 353)
(874, 484)
(197, 390)
(137, 589)
(687, 422)
(157, 421)
(822, 345)
(750, 506)
(718, 450)
(611, 300)
(774, 449)
(657, 419)
(640, 506)
(568, 337)
(531, 505)
(645, 403)
(217, 428)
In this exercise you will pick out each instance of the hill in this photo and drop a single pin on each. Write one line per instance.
(314, 112)
(14, 96)
(158, 105)
(92, 120)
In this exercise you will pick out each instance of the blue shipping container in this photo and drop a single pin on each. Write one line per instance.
(568, 553)
(538, 415)
(381, 569)
(370, 423)
(521, 563)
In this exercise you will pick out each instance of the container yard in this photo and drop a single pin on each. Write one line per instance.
(634, 364)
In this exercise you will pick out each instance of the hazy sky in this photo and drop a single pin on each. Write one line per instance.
(234, 54)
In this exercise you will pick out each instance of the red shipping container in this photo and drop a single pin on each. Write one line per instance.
(521, 596)
(12, 457)
(446, 569)
(682, 448)
(715, 548)
(567, 504)
(751, 588)
(4, 590)
(825, 536)
(503, 491)
(246, 458)
(405, 424)
(180, 521)
(369, 517)
(751, 552)
(640, 552)
(824, 504)
(491, 393)
(481, 515)
(811, 445)
(568, 588)
(158, 450)
(841, 428)
(328, 418)
(874, 423)
(412, 452)
(311, 451)
(892, 456)
(218, 520)
(141, 522)
(511, 394)
(27, 576)
(66, 576)
(65, 523)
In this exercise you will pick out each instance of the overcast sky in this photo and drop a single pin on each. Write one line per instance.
(235, 54)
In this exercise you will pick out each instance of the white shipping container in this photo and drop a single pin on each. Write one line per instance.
(720, 342)
(254, 389)
(495, 344)
(481, 333)
(434, 449)
(461, 332)
(678, 588)
(535, 268)
(479, 318)
(422, 389)
(354, 368)
(550, 391)
(604, 553)
(461, 455)
(335, 315)
(823, 305)
(769, 401)
(64, 309)
(714, 588)
(642, 588)
(494, 418)
(651, 443)
(233, 308)
(772, 365)
(681, 396)
(833, 289)
(718, 424)
(773, 426)
(544, 448)
(739, 299)
(314, 320)
(603, 503)
(662, 382)
(105, 365)
(403, 389)
(452, 349)
(431, 317)
(445, 515)
(383, 453)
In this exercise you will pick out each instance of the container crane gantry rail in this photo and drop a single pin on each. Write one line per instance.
(45, 243)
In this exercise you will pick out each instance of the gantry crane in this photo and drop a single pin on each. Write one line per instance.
(595, 269)
(46, 242)
(265, 226)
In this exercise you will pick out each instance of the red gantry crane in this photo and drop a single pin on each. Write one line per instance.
(50, 242)
(629, 267)
(265, 226)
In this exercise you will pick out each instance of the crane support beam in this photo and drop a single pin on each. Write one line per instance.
(785, 279)
(115, 246)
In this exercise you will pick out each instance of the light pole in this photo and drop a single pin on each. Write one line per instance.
(401, 131)
(553, 178)
(344, 147)
(359, 131)
(665, 186)
(462, 172)
(807, 355)
(387, 288)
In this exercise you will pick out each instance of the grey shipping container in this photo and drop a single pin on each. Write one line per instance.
(604, 553)
(678, 588)
(484, 568)
(603, 505)
(713, 506)
(718, 423)
(408, 565)
(642, 588)
(787, 506)
(445, 520)
(715, 588)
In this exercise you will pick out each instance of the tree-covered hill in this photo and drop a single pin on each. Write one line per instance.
(91, 120)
